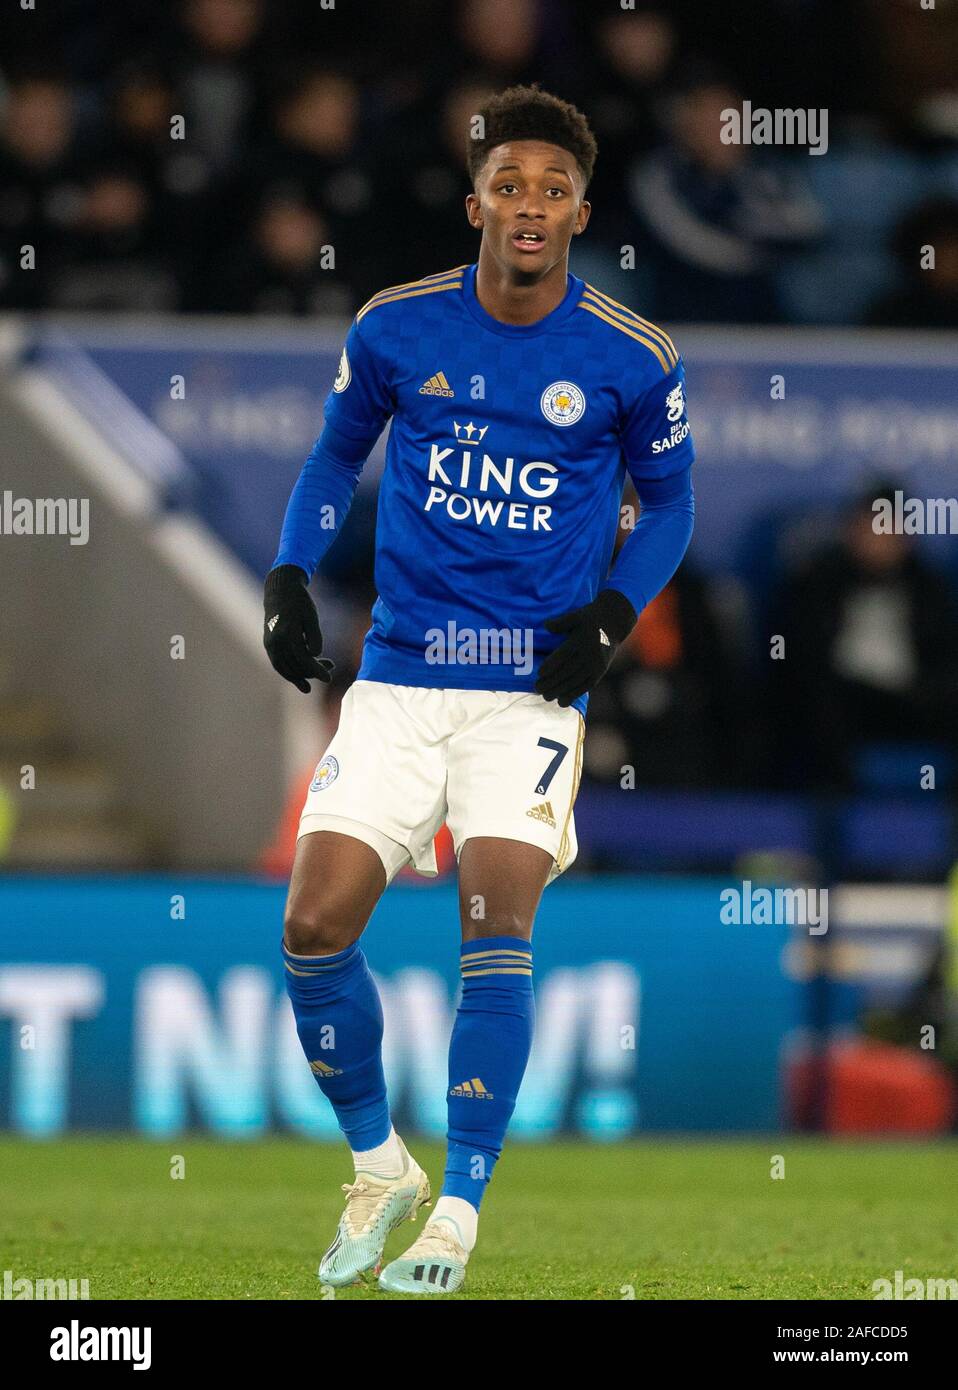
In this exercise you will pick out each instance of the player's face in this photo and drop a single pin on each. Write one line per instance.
(529, 205)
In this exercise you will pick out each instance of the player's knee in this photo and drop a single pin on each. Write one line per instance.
(322, 928)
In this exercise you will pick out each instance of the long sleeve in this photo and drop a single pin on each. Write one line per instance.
(658, 450)
(356, 411)
(321, 498)
(654, 551)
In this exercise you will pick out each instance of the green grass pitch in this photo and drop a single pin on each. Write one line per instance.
(663, 1218)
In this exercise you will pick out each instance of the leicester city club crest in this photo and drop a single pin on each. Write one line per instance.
(326, 773)
(563, 403)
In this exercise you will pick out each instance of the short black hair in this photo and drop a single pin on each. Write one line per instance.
(528, 113)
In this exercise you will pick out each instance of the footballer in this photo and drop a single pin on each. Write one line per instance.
(519, 397)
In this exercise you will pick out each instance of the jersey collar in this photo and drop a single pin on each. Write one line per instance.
(573, 292)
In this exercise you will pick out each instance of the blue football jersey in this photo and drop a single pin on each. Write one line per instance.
(504, 470)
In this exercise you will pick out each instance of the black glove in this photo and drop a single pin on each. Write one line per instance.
(595, 632)
(291, 634)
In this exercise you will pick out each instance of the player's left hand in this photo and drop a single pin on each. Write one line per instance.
(594, 634)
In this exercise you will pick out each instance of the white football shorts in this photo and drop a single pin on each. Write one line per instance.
(405, 759)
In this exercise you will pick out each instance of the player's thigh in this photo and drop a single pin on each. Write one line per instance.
(384, 774)
(500, 885)
(513, 775)
(336, 882)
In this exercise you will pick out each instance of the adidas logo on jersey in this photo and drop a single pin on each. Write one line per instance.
(324, 1069)
(543, 812)
(436, 386)
(473, 1088)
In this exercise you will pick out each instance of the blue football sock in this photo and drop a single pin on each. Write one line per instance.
(490, 1046)
(339, 1019)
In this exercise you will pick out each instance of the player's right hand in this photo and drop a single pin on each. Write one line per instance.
(291, 632)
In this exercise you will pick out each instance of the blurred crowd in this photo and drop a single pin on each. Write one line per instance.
(293, 157)
(843, 678)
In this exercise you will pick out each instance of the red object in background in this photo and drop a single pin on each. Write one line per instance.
(445, 860)
(276, 860)
(874, 1087)
(656, 639)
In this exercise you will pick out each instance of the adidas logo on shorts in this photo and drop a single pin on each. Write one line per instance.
(544, 813)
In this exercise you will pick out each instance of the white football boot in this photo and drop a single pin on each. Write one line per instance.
(374, 1207)
(435, 1263)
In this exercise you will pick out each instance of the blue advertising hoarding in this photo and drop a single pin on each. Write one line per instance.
(157, 1005)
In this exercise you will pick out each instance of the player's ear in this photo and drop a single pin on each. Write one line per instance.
(474, 210)
(582, 217)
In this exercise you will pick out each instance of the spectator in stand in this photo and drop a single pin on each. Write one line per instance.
(871, 652)
(717, 217)
(279, 269)
(426, 184)
(179, 177)
(624, 92)
(117, 260)
(141, 108)
(915, 74)
(40, 192)
(927, 296)
(313, 154)
(501, 38)
(220, 70)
